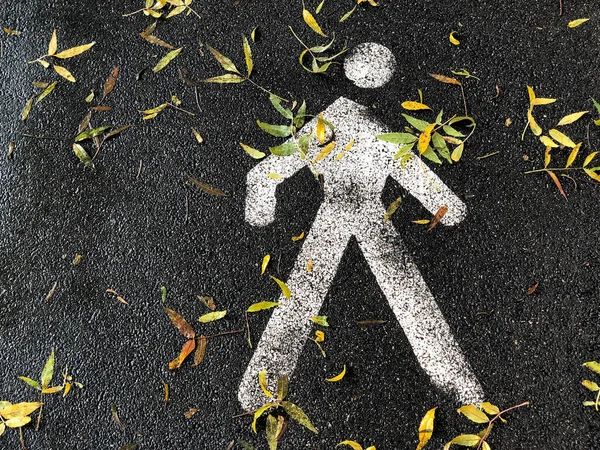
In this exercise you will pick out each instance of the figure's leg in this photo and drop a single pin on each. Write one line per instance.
(287, 330)
(416, 310)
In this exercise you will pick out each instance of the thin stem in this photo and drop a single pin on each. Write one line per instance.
(225, 333)
(266, 90)
(197, 15)
(135, 12)
(181, 109)
(462, 89)
(560, 2)
(497, 416)
(548, 169)
(43, 137)
(248, 328)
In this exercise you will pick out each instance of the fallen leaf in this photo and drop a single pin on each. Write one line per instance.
(46, 91)
(187, 348)
(285, 290)
(557, 182)
(571, 118)
(190, 413)
(453, 39)
(298, 238)
(426, 428)
(225, 62)
(354, 445)
(69, 53)
(248, 55)
(256, 154)
(392, 209)
(207, 188)
(299, 416)
(262, 381)
(27, 108)
(474, 414)
(181, 324)
(312, 22)
(166, 59)
(320, 320)
(64, 73)
(208, 301)
(425, 138)
(445, 79)
(48, 371)
(166, 387)
(437, 217)
(200, 350)
(338, 377)
(325, 151)
(109, 85)
(197, 135)
(261, 306)
(414, 106)
(212, 316)
(576, 23)
(532, 289)
(265, 263)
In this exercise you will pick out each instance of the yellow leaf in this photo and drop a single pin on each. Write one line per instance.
(421, 221)
(261, 306)
(69, 53)
(299, 237)
(561, 138)
(211, 317)
(274, 176)
(531, 94)
(354, 445)
(535, 128)
(262, 380)
(199, 138)
(27, 108)
(591, 385)
(67, 389)
(426, 428)
(576, 23)
(284, 289)
(265, 263)
(309, 265)
(2, 428)
(490, 409)
(589, 158)
(350, 145)
(166, 59)
(573, 155)
(453, 40)
(319, 336)
(52, 390)
(445, 79)
(547, 157)
(324, 153)
(19, 409)
(176, 11)
(53, 44)
(187, 348)
(17, 422)
(321, 129)
(248, 55)
(225, 62)
(474, 414)
(259, 412)
(571, 118)
(548, 142)
(414, 106)
(593, 175)
(312, 22)
(466, 440)
(320, 320)
(338, 377)
(542, 101)
(64, 73)
(425, 138)
(256, 154)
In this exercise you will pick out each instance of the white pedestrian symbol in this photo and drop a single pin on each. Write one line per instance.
(352, 206)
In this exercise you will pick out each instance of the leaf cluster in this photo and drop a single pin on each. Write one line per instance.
(320, 62)
(165, 8)
(592, 386)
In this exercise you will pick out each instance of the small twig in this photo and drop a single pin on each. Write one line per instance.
(187, 209)
(248, 328)
(225, 333)
(139, 170)
(560, 2)
(462, 89)
(21, 438)
(197, 100)
(52, 138)
(493, 419)
(588, 136)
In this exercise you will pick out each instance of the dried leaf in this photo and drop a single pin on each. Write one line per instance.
(426, 428)
(298, 238)
(225, 62)
(262, 381)
(453, 39)
(53, 44)
(285, 290)
(256, 154)
(248, 56)
(577, 22)
(325, 151)
(109, 85)
(271, 432)
(212, 316)
(438, 216)
(200, 351)
(190, 413)
(261, 306)
(414, 106)
(64, 73)
(573, 155)
(473, 413)
(52, 390)
(265, 263)
(91, 133)
(46, 91)
(82, 155)
(425, 138)
(167, 59)
(445, 79)
(320, 320)
(166, 388)
(48, 371)
(69, 53)
(199, 138)
(187, 348)
(392, 209)
(571, 118)
(531, 290)
(557, 182)
(207, 188)
(298, 415)
(259, 412)
(27, 108)
(312, 22)
(208, 301)
(90, 97)
(181, 324)
(338, 377)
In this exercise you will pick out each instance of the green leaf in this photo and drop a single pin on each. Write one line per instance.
(392, 209)
(301, 116)
(167, 59)
(438, 119)
(403, 151)
(276, 102)
(322, 48)
(432, 156)
(287, 149)
(397, 138)
(48, 371)
(473, 413)
(163, 293)
(271, 432)
(256, 154)
(275, 130)
(34, 384)
(320, 320)
(27, 108)
(259, 412)
(348, 14)
(304, 142)
(43, 95)
(227, 78)
(246, 445)
(88, 134)
(212, 316)
(261, 306)
(285, 290)
(282, 387)
(299, 416)
(452, 132)
(416, 123)
(440, 145)
(225, 62)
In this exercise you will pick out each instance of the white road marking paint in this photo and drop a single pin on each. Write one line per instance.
(370, 65)
(352, 207)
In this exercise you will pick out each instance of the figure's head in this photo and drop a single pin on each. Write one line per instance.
(370, 65)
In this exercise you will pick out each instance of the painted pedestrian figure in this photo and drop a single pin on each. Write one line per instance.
(352, 206)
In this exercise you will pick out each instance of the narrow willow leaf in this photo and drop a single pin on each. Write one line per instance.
(466, 440)
(594, 176)
(320, 320)
(535, 128)
(397, 138)
(181, 324)
(594, 366)
(116, 131)
(253, 34)
(301, 116)
(548, 142)
(90, 97)
(312, 22)
(392, 209)
(82, 155)
(561, 138)
(259, 412)
(248, 56)
(286, 149)
(265, 263)
(176, 11)
(225, 62)
(52, 390)
(207, 188)
(288, 114)
(246, 445)
(64, 73)
(262, 381)
(573, 155)
(271, 432)
(426, 428)
(425, 138)
(352, 444)
(325, 151)
(453, 39)
(27, 108)
(299, 416)
(199, 138)
(557, 183)
(416, 123)
(577, 22)
(19, 409)
(200, 350)
(403, 151)
(167, 59)
(473, 413)
(589, 158)
(109, 85)
(285, 290)
(261, 306)
(208, 301)
(571, 118)
(46, 91)
(298, 238)
(187, 348)
(11, 149)
(92, 133)
(338, 377)
(53, 44)
(445, 79)
(274, 176)
(69, 53)
(348, 14)
(212, 316)
(154, 110)
(591, 385)
(275, 130)
(320, 7)
(538, 101)
(148, 36)
(414, 106)
(256, 154)
(283, 383)
(440, 213)
(34, 384)
(490, 409)
(2, 428)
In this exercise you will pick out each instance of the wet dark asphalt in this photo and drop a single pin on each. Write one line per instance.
(136, 234)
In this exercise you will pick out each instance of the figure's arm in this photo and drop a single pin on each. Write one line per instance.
(260, 188)
(426, 187)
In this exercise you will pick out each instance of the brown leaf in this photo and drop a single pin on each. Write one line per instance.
(207, 188)
(557, 182)
(200, 351)
(208, 301)
(101, 108)
(445, 79)
(187, 348)
(532, 289)
(110, 82)
(190, 413)
(182, 325)
(437, 217)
